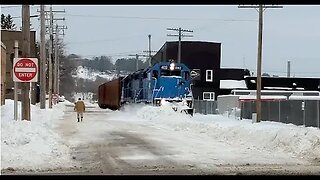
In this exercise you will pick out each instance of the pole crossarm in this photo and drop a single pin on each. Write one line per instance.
(257, 6)
(150, 51)
(180, 35)
(179, 29)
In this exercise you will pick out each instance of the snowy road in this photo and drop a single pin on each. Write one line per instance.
(139, 141)
(108, 144)
(117, 147)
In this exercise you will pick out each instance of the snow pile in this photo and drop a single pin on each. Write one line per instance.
(32, 144)
(298, 141)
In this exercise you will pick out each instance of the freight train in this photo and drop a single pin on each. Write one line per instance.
(163, 82)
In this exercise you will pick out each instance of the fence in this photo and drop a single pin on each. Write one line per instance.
(298, 112)
(205, 107)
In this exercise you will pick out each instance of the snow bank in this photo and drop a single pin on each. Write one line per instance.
(32, 144)
(299, 141)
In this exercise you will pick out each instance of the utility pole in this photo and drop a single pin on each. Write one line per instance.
(42, 59)
(137, 62)
(137, 59)
(55, 88)
(50, 57)
(25, 100)
(288, 69)
(16, 55)
(56, 59)
(149, 61)
(149, 51)
(180, 35)
(261, 9)
(51, 78)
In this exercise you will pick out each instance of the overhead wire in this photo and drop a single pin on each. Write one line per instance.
(155, 18)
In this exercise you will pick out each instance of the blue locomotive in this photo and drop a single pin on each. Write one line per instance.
(165, 81)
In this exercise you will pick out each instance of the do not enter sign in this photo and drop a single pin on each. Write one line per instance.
(25, 70)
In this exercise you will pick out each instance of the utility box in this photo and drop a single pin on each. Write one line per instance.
(254, 117)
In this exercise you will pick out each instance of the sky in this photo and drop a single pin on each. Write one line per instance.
(289, 33)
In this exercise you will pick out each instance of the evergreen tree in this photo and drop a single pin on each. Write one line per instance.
(7, 22)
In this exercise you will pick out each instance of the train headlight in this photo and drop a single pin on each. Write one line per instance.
(172, 65)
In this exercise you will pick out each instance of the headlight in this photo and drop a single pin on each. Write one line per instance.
(172, 66)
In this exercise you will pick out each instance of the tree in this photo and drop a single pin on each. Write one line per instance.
(7, 22)
(67, 83)
(265, 75)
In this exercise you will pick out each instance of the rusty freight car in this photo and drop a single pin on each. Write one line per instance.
(109, 94)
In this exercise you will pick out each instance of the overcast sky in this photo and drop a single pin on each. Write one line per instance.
(291, 33)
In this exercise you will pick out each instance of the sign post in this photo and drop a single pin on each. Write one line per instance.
(25, 70)
(15, 110)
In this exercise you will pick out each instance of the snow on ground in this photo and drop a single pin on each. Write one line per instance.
(33, 144)
(202, 134)
(205, 139)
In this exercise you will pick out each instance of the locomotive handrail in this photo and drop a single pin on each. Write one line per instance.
(154, 87)
(160, 89)
(137, 95)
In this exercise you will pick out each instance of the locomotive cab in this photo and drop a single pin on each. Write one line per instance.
(171, 82)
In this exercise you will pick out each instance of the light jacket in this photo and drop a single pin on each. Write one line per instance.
(80, 107)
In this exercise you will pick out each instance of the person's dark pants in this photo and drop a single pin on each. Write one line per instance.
(79, 115)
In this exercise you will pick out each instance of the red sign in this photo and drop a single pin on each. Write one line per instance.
(25, 70)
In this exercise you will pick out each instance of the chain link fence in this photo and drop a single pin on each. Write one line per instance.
(298, 112)
(205, 107)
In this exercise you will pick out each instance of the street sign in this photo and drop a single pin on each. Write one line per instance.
(25, 69)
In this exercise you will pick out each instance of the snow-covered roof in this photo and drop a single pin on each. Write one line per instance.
(233, 84)
(283, 88)
(247, 97)
(304, 97)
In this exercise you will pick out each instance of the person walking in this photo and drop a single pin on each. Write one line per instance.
(80, 108)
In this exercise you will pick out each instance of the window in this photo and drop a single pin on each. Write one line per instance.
(209, 96)
(155, 74)
(209, 75)
(170, 73)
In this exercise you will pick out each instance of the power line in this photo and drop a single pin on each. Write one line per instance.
(112, 54)
(3, 7)
(103, 40)
(15, 6)
(155, 18)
